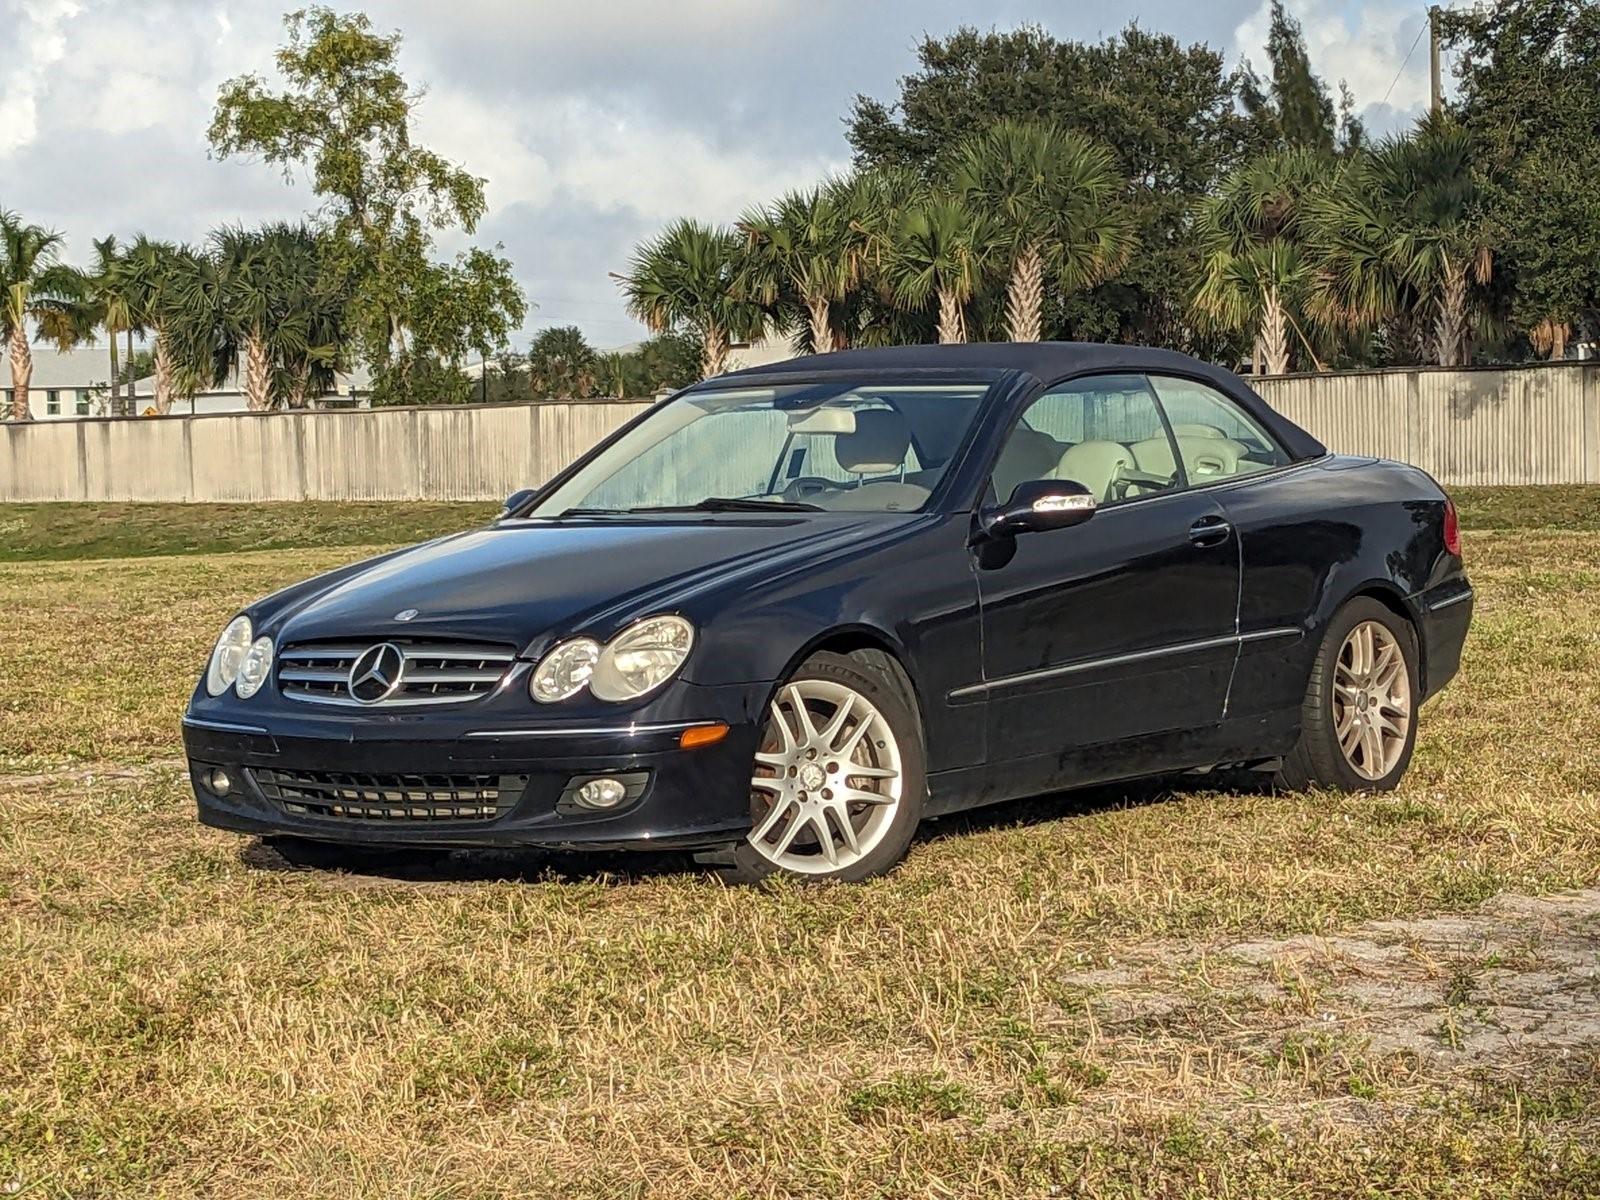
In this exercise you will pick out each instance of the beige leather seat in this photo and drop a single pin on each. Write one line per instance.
(1204, 457)
(1197, 431)
(1095, 464)
(1028, 455)
(877, 446)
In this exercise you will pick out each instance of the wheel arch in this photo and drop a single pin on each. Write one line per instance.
(1386, 593)
(871, 646)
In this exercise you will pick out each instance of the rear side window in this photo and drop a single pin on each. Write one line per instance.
(1216, 438)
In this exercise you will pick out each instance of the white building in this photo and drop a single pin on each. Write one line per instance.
(64, 384)
(349, 391)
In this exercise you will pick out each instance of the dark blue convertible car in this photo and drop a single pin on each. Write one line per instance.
(786, 614)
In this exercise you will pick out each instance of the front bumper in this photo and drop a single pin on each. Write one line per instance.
(694, 798)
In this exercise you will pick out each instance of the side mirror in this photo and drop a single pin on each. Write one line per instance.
(1040, 504)
(516, 500)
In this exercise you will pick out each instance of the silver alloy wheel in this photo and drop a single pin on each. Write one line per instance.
(1371, 700)
(827, 779)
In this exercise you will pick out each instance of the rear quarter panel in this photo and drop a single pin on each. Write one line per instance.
(1309, 539)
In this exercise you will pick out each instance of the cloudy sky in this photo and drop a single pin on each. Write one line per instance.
(594, 122)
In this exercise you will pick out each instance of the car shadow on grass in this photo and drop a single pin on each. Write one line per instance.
(628, 867)
(1097, 798)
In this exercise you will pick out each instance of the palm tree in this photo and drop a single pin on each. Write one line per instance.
(1053, 198)
(685, 278)
(148, 269)
(942, 249)
(1399, 236)
(264, 300)
(35, 290)
(308, 328)
(803, 247)
(562, 363)
(1257, 273)
(104, 294)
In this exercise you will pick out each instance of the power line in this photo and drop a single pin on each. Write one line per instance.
(1417, 41)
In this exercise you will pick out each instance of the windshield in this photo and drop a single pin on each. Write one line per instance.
(841, 446)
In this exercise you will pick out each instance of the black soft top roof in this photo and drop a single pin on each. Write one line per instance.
(1049, 363)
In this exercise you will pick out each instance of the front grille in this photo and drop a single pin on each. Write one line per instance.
(431, 672)
(355, 796)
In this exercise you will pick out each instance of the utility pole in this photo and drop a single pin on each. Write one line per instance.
(1434, 77)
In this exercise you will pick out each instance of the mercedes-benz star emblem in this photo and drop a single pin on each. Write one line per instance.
(376, 674)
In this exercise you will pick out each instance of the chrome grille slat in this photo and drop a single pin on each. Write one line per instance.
(445, 672)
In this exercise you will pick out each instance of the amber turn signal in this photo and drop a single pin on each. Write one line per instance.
(702, 735)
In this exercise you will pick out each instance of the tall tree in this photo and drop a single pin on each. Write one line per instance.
(1529, 75)
(147, 268)
(1055, 200)
(1257, 273)
(686, 278)
(346, 117)
(1168, 112)
(803, 249)
(105, 294)
(1401, 236)
(562, 364)
(942, 251)
(1293, 108)
(37, 294)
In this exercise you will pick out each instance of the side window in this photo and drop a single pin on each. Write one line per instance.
(1216, 438)
(1104, 432)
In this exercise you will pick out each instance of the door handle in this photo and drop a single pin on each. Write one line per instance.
(1210, 531)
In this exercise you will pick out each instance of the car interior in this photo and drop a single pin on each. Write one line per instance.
(876, 467)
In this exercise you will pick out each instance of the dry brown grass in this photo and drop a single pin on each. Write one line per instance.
(1130, 993)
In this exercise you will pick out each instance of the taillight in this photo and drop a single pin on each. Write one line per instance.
(1452, 528)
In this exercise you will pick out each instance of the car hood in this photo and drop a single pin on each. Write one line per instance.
(525, 583)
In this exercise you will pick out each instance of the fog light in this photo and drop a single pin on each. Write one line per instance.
(602, 793)
(218, 782)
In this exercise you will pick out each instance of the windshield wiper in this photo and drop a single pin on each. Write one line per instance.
(733, 504)
(592, 512)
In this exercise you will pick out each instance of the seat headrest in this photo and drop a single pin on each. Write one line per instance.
(878, 444)
(1200, 431)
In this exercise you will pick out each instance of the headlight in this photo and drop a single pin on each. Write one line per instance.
(564, 671)
(256, 667)
(228, 656)
(641, 658)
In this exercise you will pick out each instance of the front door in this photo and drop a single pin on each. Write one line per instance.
(1108, 646)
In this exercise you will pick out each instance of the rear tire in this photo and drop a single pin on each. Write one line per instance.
(1358, 722)
(851, 768)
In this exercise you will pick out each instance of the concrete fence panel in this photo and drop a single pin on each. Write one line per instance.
(1537, 424)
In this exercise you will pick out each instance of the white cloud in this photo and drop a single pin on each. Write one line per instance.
(38, 43)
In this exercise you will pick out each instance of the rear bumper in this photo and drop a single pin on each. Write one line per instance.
(1444, 614)
(694, 798)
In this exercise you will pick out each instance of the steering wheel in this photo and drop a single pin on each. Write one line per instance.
(806, 486)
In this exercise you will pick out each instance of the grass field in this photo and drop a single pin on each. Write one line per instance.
(1170, 990)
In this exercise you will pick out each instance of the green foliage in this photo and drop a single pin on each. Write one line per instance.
(1529, 76)
(562, 365)
(1293, 108)
(1055, 201)
(1168, 113)
(345, 118)
(1397, 238)
(1253, 230)
(687, 278)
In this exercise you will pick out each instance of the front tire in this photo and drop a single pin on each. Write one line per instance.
(839, 779)
(1358, 722)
